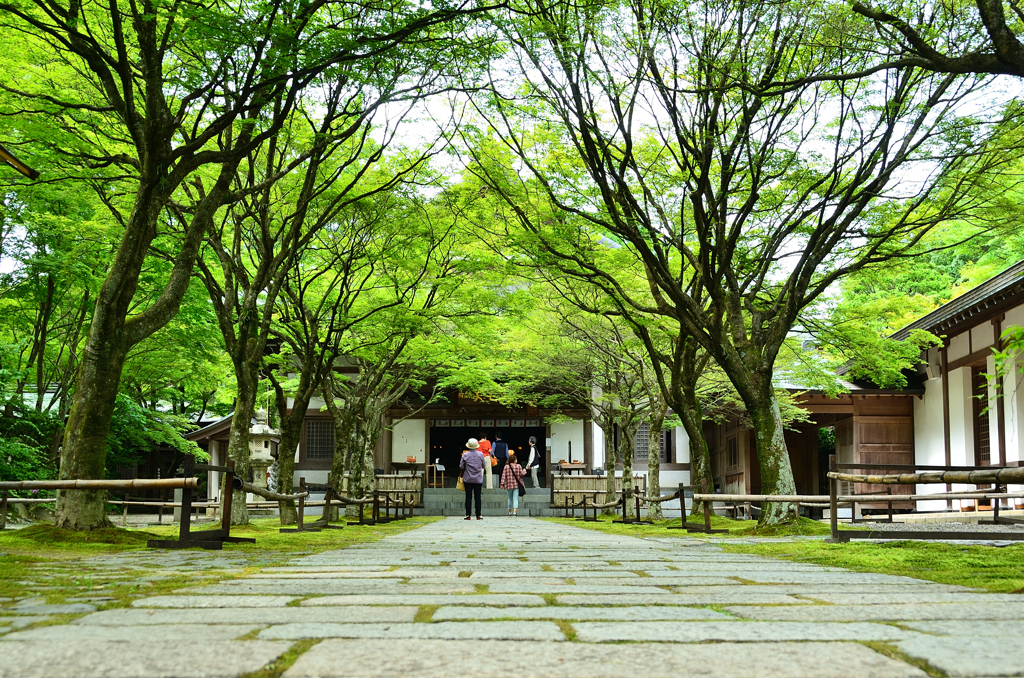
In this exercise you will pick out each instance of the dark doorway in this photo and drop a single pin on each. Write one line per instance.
(448, 443)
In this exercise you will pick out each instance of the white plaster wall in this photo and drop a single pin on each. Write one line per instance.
(1013, 411)
(961, 426)
(982, 336)
(312, 477)
(562, 435)
(1013, 393)
(409, 439)
(959, 346)
(670, 480)
(961, 416)
(1015, 316)
(598, 437)
(929, 444)
(680, 445)
(213, 477)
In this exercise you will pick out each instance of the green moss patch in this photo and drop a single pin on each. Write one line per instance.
(999, 570)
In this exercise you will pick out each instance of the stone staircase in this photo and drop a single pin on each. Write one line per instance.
(452, 502)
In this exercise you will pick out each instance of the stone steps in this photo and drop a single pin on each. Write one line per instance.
(494, 502)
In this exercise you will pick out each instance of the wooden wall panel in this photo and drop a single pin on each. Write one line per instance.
(885, 437)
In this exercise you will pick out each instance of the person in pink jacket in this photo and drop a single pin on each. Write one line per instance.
(511, 477)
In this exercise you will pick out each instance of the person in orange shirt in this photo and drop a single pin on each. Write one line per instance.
(485, 447)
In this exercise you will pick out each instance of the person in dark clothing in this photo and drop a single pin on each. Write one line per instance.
(499, 450)
(471, 467)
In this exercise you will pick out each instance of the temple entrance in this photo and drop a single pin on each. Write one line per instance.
(448, 442)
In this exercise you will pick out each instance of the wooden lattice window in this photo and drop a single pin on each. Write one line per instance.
(642, 443)
(732, 453)
(319, 439)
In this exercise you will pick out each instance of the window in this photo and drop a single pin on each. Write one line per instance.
(732, 455)
(642, 443)
(319, 439)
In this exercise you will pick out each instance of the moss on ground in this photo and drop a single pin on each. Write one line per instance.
(996, 569)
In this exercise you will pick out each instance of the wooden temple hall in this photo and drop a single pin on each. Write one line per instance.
(948, 414)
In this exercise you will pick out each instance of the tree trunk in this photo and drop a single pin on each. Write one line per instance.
(609, 464)
(238, 439)
(773, 457)
(692, 416)
(112, 333)
(654, 459)
(84, 452)
(291, 434)
(627, 438)
(340, 476)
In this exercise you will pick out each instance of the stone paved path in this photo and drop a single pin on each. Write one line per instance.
(523, 597)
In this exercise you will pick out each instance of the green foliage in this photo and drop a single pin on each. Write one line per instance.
(25, 441)
(135, 429)
(19, 461)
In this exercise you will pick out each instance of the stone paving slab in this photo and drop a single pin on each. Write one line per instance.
(646, 613)
(479, 599)
(356, 570)
(433, 573)
(916, 597)
(583, 574)
(679, 579)
(839, 578)
(297, 587)
(587, 587)
(811, 589)
(66, 608)
(905, 612)
(135, 634)
(728, 596)
(979, 656)
(248, 615)
(738, 631)
(470, 630)
(1006, 628)
(213, 601)
(153, 659)
(21, 622)
(728, 569)
(772, 576)
(446, 658)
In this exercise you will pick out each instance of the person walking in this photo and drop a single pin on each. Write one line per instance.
(471, 468)
(485, 449)
(533, 461)
(511, 479)
(499, 450)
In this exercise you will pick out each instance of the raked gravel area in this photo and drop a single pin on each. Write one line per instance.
(524, 597)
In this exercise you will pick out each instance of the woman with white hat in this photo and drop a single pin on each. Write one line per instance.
(471, 468)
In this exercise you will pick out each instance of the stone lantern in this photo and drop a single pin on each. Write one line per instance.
(260, 459)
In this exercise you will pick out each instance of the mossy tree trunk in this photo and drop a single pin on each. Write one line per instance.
(659, 410)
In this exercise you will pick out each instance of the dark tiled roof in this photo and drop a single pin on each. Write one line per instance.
(1003, 290)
